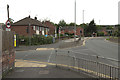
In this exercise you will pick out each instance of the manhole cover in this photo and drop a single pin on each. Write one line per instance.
(44, 72)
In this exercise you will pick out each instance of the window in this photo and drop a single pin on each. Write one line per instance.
(37, 27)
(33, 27)
(40, 28)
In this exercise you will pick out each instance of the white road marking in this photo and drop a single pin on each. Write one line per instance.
(50, 56)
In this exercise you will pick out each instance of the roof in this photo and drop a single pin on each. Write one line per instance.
(26, 21)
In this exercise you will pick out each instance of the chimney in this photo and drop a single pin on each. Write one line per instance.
(29, 16)
(35, 18)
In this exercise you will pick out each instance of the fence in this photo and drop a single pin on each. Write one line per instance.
(94, 65)
(8, 53)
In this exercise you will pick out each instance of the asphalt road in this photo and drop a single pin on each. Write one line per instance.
(106, 50)
(98, 46)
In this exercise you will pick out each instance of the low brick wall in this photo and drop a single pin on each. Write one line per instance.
(70, 44)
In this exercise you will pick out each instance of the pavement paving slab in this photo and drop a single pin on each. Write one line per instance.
(44, 72)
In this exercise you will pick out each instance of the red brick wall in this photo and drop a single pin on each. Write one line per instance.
(72, 31)
(78, 31)
(51, 27)
(21, 30)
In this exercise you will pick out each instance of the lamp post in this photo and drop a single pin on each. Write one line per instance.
(59, 32)
(75, 23)
(29, 35)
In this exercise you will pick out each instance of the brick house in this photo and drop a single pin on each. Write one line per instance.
(70, 30)
(106, 31)
(21, 27)
(51, 26)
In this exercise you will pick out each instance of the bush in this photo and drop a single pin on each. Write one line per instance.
(35, 40)
(100, 34)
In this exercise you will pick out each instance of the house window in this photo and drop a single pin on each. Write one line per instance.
(37, 27)
(40, 28)
(33, 27)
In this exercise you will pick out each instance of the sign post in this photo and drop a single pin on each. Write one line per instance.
(8, 25)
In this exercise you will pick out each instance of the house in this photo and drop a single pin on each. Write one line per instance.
(70, 30)
(29, 26)
(51, 26)
(106, 29)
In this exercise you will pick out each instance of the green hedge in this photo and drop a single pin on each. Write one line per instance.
(100, 34)
(35, 40)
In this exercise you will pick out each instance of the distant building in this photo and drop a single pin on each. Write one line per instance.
(70, 30)
(51, 27)
(21, 27)
(105, 30)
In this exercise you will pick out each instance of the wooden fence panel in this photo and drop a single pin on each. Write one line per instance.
(8, 53)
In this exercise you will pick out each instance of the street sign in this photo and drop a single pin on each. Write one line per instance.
(8, 24)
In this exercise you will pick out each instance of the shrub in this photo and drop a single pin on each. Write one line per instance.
(100, 34)
(35, 40)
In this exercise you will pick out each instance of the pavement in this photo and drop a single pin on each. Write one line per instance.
(44, 72)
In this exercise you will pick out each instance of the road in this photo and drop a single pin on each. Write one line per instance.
(34, 58)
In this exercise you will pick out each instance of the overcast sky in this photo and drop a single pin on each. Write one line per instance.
(105, 11)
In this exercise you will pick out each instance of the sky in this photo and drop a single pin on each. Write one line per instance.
(104, 12)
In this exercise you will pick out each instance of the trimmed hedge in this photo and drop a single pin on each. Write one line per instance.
(100, 34)
(35, 40)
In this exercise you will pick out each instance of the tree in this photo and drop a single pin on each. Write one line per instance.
(89, 28)
(62, 23)
(71, 24)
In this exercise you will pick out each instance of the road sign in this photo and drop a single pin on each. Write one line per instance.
(8, 24)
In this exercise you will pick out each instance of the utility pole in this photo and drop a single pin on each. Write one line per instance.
(83, 24)
(83, 16)
(75, 23)
(59, 32)
(29, 35)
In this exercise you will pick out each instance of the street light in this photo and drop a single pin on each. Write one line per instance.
(59, 32)
(75, 23)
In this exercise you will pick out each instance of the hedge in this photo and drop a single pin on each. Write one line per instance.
(35, 40)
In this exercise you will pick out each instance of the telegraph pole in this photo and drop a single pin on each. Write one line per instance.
(75, 23)
(83, 16)
(83, 24)
(29, 35)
